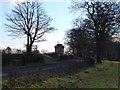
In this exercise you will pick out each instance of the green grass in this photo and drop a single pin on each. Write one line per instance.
(104, 75)
(49, 60)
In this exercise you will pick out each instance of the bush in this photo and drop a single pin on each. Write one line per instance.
(33, 58)
(21, 59)
(6, 59)
(37, 58)
(9, 58)
(90, 61)
(67, 57)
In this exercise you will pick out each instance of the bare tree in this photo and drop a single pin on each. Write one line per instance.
(8, 50)
(102, 19)
(29, 19)
(18, 51)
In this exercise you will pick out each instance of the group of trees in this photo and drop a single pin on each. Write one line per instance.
(9, 50)
(79, 40)
(102, 22)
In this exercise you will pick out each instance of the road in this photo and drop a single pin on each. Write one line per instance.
(5, 75)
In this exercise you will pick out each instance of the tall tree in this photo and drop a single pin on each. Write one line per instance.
(79, 39)
(101, 19)
(29, 19)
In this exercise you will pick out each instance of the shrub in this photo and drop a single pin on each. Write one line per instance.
(9, 58)
(67, 57)
(6, 59)
(37, 58)
(33, 58)
(90, 61)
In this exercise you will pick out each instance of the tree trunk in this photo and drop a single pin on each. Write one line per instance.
(29, 49)
(29, 52)
(73, 51)
(98, 51)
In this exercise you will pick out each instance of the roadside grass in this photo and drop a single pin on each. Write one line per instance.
(49, 60)
(103, 75)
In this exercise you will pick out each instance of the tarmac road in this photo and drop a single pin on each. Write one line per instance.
(32, 70)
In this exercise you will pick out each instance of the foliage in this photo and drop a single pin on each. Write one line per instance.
(9, 50)
(68, 57)
(102, 19)
(20, 59)
(103, 75)
(80, 40)
(38, 60)
(34, 58)
(7, 59)
(112, 50)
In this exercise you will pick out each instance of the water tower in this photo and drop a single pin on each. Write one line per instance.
(59, 49)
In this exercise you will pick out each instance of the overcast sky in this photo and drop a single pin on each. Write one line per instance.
(57, 10)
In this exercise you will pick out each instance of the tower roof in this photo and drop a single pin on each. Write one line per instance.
(59, 45)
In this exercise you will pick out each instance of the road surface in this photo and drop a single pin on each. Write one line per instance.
(5, 75)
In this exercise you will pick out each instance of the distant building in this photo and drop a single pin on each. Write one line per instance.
(34, 47)
(59, 49)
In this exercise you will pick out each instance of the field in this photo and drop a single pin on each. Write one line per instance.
(105, 75)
